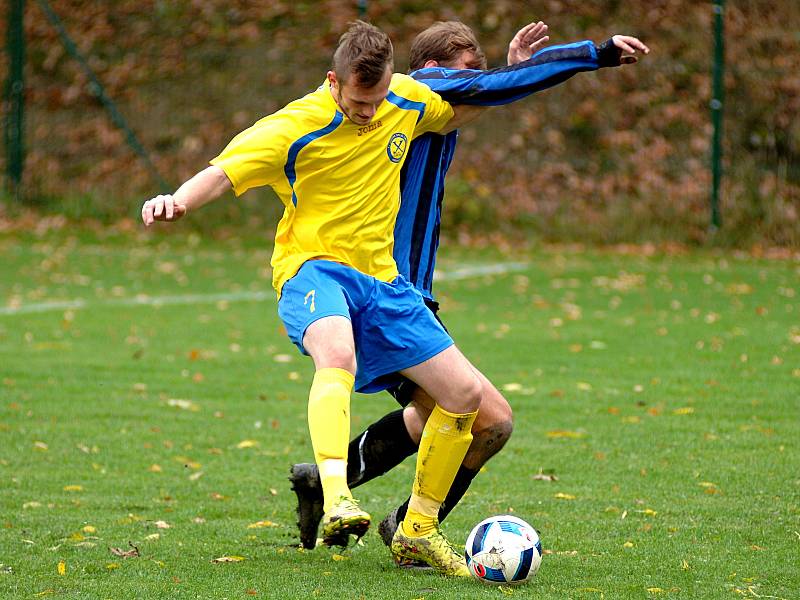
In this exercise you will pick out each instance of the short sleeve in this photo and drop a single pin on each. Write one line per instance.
(256, 156)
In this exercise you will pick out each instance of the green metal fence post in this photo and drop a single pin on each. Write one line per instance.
(15, 95)
(717, 103)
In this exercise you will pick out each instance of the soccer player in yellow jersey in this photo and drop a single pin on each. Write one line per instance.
(334, 159)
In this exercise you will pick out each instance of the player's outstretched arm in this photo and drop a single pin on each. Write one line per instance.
(209, 184)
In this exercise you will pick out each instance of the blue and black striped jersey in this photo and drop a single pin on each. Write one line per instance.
(416, 234)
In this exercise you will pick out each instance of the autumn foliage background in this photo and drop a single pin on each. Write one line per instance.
(615, 156)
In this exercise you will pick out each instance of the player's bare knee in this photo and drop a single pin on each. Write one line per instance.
(337, 357)
(467, 394)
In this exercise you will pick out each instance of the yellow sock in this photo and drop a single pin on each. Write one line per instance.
(329, 426)
(445, 441)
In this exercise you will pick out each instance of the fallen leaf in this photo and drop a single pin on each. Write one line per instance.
(73, 488)
(687, 410)
(228, 559)
(133, 552)
(655, 590)
(545, 477)
(338, 557)
(627, 545)
(62, 568)
(247, 444)
(155, 468)
(183, 404)
(261, 524)
(563, 433)
(162, 524)
(563, 496)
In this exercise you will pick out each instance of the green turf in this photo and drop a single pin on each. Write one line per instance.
(661, 391)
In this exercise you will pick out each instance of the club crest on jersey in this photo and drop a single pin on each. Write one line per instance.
(397, 147)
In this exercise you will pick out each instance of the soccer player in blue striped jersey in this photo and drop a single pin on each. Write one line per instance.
(448, 58)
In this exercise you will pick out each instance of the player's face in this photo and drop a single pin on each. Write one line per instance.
(465, 60)
(359, 103)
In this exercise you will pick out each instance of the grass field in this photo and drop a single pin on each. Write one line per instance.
(149, 398)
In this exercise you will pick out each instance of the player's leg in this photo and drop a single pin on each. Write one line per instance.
(490, 432)
(322, 329)
(379, 448)
(389, 441)
(450, 379)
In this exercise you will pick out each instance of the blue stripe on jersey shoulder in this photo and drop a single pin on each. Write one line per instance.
(406, 104)
(298, 145)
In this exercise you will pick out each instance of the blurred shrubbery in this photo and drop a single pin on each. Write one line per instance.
(617, 155)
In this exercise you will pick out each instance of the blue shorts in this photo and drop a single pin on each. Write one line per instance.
(392, 327)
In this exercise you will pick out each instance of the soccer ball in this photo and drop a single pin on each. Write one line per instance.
(503, 550)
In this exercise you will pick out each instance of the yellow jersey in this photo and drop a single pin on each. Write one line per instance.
(339, 181)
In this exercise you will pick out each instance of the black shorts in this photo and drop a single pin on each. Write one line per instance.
(404, 391)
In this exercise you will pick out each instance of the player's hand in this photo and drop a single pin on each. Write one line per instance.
(162, 208)
(628, 45)
(529, 40)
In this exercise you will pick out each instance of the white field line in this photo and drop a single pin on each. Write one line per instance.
(467, 272)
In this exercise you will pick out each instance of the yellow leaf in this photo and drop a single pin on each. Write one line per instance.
(228, 559)
(512, 387)
(89, 529)
(338, 557)
(76, 537)
(162, 525)
(247, 444)
(563, 496)
(112, 566)
(684, 565)
(686, 410)
(649, 512)
(42, 447)
(62, 568)
(260, 524)
(73, 488)
(155, 468)
(584, 387)
(563, 433)
(655, 590)
(627, 545)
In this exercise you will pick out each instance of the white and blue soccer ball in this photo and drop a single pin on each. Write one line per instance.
(503, 550)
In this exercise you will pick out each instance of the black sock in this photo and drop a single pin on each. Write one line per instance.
(461, 483)
(379, 448)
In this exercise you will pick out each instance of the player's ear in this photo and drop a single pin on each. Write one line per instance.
(430, 63)
(332, 80)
